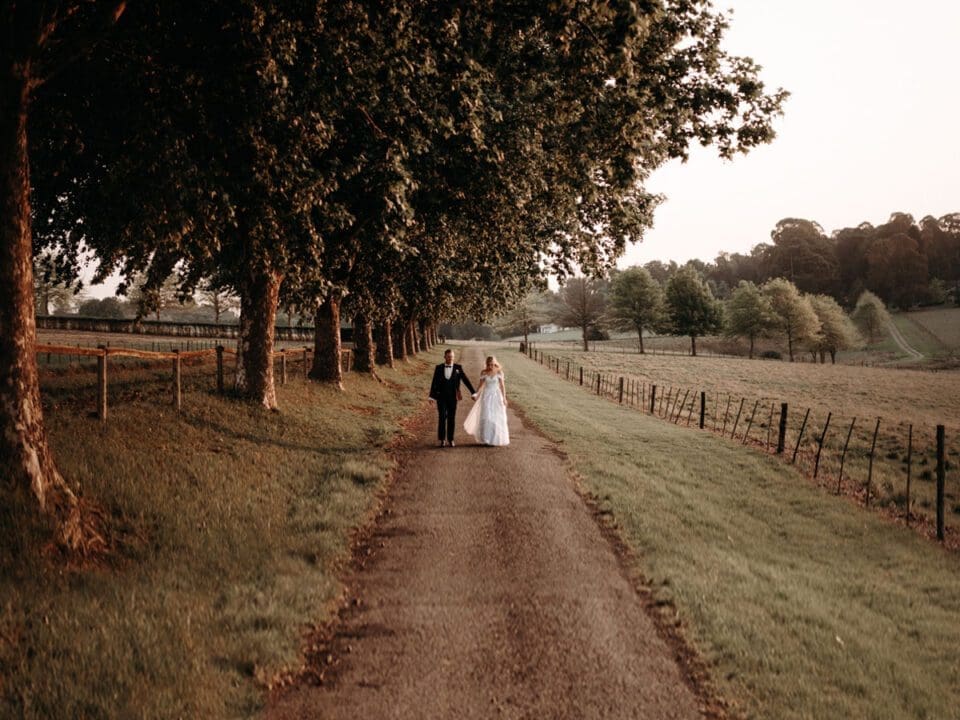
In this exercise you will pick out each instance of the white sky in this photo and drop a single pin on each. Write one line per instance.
(872, 127)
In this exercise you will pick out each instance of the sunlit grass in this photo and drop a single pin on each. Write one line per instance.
(804, 605)
(233, 522)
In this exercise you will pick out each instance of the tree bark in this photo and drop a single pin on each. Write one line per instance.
(412, 344)
(586, 346)
(399, 332)
(693, 345)
(833, 357)
(384, 338)
(364, 359)
(258, 317)
(640, 335)
(751, 347)
(424, 340)
(28, 467)
(326, 357)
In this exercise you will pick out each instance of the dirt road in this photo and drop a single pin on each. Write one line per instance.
(494, 594)
(902, 342)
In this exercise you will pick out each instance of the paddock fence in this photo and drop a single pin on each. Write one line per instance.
(893, 465)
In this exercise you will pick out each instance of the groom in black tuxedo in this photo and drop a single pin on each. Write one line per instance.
(445, 391)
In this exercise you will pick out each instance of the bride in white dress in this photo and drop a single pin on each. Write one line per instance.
(487, 420)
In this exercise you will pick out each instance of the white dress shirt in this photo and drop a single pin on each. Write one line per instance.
(448, 371)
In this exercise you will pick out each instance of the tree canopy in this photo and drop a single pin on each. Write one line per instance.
(406, 161)
(636, 301)
(748, 314)
(793, 315)
(691, 307)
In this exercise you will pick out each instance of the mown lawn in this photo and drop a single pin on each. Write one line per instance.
(231, 522)
(803, 604)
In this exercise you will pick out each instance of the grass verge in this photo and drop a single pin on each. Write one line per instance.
(235, 521)
(803, 605)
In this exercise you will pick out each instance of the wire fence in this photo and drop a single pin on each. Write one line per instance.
(895, 465)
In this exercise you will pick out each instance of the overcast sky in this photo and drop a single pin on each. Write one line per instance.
(872, 127)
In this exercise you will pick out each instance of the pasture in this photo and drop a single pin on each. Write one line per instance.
(851, 395)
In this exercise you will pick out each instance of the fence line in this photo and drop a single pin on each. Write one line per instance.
(669, 406)
(103, 353)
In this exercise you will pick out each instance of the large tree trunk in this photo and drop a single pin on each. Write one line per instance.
(364, 359)
(586, 346)
(640, 335)
(833, 357)
(326, 356)
(751, 346)
(424, 339)
(399, 332)
(412, 344)
(384, 338)
(27, 468)
(693, 345)
(258, 318)
(790, 346)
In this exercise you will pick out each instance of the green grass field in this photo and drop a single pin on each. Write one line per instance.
(935, 332)
(851, 395)
(231, 523)
(941, 327)
(804, 605)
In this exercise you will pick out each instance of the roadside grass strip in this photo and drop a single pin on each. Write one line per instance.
(802, 604)
(231, 522)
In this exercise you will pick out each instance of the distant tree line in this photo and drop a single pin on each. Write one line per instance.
(684, 305)
(903, 262)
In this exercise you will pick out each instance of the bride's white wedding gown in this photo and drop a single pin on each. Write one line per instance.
(487, 420)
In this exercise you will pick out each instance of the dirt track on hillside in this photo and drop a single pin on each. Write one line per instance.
(491, 591)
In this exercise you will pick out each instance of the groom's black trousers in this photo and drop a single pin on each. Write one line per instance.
(447, 411)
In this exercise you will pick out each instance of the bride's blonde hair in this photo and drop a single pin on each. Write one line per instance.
(492, 361)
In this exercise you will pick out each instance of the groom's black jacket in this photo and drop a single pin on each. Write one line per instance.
(445, 390)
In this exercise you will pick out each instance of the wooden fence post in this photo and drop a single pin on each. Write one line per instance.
(690, 411)
(102, 384)
(598, 383)
(803, 426)
(843, 455)
(941, 480)
(909, 467)
(823, 436)
(683, 404)
(653, 398)
(736, 422)
(750, 423)
(621, 390)
(176, 380)
(723, 430)
(581, 375)
(873, 446)
(220, 369)
(769, 428)
(568, 369)
(782, 434)
(283, 367)
(703, 407)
